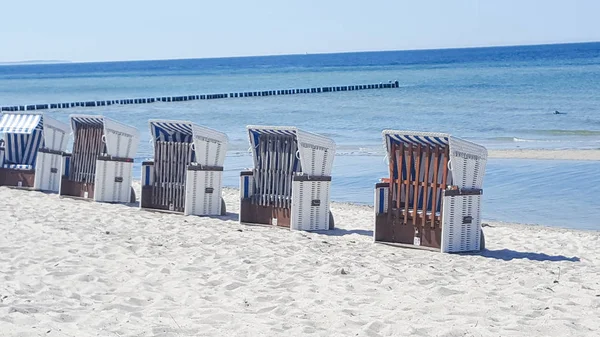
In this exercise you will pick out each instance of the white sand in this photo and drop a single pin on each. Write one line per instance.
(571, 154)
(76, 268)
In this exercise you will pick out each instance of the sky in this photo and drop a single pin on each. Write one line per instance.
(111, 30)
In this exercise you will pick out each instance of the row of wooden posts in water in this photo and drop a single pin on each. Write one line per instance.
(263, 93)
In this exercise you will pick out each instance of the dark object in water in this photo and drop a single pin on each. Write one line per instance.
(556, 112)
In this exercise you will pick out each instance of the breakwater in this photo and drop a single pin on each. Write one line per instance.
(242, 94)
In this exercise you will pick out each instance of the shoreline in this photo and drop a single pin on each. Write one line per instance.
(543, 154)
(547, 154)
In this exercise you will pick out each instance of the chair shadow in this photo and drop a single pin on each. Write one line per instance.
(343, 232)
(508, 255)
(226, 217)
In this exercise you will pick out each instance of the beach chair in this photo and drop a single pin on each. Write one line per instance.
(291, 180)
(187, 171)
(32, 148)
(432, 197)
(100, 166)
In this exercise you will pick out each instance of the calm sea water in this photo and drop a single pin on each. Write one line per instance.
(503, 98)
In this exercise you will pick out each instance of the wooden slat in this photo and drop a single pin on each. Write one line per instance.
(416, 183)
(409, 154)
(425, 183)
(392, 161)
(401, 153)
(436, 168)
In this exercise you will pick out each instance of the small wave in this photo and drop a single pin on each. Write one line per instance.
(360, 152)
(514, 139)
(560, 132)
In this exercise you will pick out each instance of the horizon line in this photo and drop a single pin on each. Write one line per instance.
(41, 62)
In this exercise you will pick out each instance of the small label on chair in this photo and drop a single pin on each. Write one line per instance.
(171, 207)
(19, 184)
(315, 202)
(85, 194)
(417, 241)
(208, 190)
(274, 221)
(54, 170)
(118, 179)
(467, 219)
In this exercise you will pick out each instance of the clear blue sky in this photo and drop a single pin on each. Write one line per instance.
(94, 30)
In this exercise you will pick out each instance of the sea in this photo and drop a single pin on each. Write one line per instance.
(501, 97)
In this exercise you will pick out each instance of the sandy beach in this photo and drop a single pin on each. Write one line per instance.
(76, 268)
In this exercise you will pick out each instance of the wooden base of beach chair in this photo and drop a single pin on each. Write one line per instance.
(146, 201)
(76, 189)
(147, 204)
(264, 215)
(17, 177)
(394, 230)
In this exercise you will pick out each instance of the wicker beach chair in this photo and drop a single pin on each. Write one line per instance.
(187, 171)
(100, 167)
(432, 197)
(291, 180)
(31, 152)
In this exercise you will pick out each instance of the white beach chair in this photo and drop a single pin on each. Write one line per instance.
(100, 167)
(432, 197)
(186, 174)
(32, 150)
(291, 180)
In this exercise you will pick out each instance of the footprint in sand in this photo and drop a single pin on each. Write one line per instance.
(233, 285)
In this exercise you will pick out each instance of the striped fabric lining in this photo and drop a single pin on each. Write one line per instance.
(22, 149)
(269, 165)
(255, 134)
(88, 120)
(423, 140)
(171, 132)
(272, 132)
(20, 123)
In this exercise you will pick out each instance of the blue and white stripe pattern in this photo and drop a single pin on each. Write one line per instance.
(255, 133)
(18, 166)
(255, 136)
(167, 131)
(22, 148)
(20, 123)
(429, 140)
(86, 120)
(23, 136)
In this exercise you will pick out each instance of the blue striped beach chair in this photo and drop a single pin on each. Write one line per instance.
(432, 197)
(32, 148)
(291, 181)
(186, 174)
(100, 166)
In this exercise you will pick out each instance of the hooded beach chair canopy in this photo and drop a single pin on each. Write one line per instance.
(304, 162)
(462, 173)
(290, 183)
(120, 140)
(25, 133)
(433, 194)
(186, 173)
(209, 145)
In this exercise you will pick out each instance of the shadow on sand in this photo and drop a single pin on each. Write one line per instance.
(508, 255)
(343, 232)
